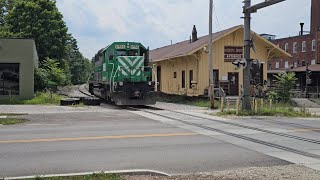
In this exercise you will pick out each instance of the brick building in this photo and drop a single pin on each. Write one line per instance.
(305, 51)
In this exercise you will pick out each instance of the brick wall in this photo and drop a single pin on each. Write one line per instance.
(299, 56)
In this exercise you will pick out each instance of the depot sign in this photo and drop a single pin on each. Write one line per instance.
(232, 53)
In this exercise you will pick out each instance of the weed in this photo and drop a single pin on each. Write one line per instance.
(10, 121)
(40, 98)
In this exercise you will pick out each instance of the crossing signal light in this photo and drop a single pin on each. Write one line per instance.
(309, 72)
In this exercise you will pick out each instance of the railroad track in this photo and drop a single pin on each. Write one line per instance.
(270, 144)
(288, 124)
(84, 92)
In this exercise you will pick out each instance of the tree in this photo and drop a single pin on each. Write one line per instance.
(284, 83)
(50, 75)
(41, 20)
(80, 67)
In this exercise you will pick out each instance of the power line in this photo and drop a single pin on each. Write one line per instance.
(216, 19)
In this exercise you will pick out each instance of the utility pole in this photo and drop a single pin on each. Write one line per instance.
(307, 80)
(248, 44)
(211, 85)
(247, 47)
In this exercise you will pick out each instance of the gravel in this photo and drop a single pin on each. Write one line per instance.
(292, 172)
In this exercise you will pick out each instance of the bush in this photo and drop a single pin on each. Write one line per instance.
(284, 83)
(49, 76)
(40, 98)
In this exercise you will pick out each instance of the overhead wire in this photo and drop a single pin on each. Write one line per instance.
(217, 19)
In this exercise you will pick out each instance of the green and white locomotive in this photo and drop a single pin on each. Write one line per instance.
(122, 75)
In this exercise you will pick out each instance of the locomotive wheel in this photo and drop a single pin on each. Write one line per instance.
(69, 101)
(92, 101)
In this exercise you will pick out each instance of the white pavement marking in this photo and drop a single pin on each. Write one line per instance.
(274, 152)
(3, 117)
(133, 171)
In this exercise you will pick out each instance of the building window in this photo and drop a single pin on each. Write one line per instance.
(303, 63)
(295, 46)
(277, 65)
(295, 64)
(183, 79)
(286, 47)
(190, 78)
(313, 45)
(286, 65)
(304, 46)
(175, 75)
(313, 62)
(9, 79)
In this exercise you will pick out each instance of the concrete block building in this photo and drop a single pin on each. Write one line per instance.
(18, 58)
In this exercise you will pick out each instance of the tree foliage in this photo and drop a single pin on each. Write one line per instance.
(50, 75)
(284, 83)
(41, 20)
(61, 62)
(80, 67)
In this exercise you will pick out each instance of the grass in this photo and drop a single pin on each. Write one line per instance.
(100, 176)
(43, 98)
(11, 121)
(193, 101)
(278, 109)
(11, 114)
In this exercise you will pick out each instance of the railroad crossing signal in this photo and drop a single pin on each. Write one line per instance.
(240, 62)
(309, 81)
(252, 45)
(309, 72)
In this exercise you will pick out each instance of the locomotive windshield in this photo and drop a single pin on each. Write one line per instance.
(127, 53)
(121, 53)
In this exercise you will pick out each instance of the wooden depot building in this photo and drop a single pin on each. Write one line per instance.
(183, 68)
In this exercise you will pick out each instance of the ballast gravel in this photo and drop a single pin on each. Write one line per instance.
(290, 172)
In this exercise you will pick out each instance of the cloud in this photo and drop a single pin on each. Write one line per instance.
(97, 23)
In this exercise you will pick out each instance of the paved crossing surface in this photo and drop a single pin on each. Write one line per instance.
(105, 138)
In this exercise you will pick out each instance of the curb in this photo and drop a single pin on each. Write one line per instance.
(119, 172)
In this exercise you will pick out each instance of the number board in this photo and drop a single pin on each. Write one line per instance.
(120, 46)
(123, 46)
(232, 53)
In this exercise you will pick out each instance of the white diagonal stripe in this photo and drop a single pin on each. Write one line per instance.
(124, 66)
(137, 67)
(123, 72)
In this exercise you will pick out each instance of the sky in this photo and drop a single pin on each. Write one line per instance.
(155, 23)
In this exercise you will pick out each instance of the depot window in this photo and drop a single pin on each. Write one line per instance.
(183, 79)
(190, 78)
(9, 79)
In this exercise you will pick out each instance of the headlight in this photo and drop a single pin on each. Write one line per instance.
(120, 83)
(150, 83)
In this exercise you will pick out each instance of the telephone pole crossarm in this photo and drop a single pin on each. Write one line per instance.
(255, 8)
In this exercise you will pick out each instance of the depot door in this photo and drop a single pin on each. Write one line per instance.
(159, 77)
(233, 83)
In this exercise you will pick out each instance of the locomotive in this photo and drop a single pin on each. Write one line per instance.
(122, 75)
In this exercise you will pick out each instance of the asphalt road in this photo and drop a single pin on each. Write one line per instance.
(116, 140)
